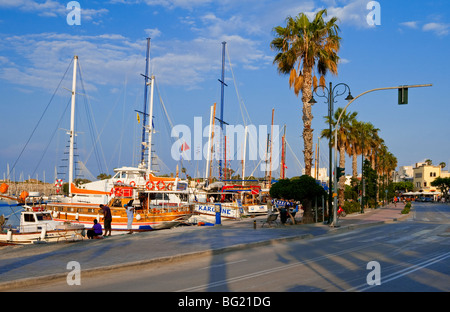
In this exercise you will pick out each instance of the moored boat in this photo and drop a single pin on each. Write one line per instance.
(154, 210)
(38, 226)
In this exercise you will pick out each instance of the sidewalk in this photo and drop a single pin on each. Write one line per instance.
(34, 264)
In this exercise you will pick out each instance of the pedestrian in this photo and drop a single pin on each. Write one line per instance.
(130, 215)
(283, 211)
(95, 231)
(107, 218)
(269, 205)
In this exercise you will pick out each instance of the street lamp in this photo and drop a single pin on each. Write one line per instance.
(401, 101)
(330, 95)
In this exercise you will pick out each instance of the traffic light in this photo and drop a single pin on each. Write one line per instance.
(340, 172)
(402, 96)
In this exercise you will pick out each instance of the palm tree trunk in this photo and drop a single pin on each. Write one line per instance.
(307, 120)
(341, 179)
(354, 165)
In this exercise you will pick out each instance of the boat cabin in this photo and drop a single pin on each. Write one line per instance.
(35, 221)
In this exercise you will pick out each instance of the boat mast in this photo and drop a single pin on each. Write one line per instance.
(150, 125)
(145, 102)
(222, 83)
(271, 147)
(245, 152)
(212, 143)
(72, 124)
(283, 155)
(208, 156)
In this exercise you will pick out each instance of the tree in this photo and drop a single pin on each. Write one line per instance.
(103, 176)
(371, 180)
(305, 46)
(303, 189)
(343, 143)
(443, 184)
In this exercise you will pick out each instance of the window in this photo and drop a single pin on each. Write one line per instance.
(424, 184)
(28, 217)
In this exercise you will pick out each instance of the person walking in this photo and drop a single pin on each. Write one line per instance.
(107, 218)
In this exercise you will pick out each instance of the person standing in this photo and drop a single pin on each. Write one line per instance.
(269, 205)
(107, 218)
(130, 216)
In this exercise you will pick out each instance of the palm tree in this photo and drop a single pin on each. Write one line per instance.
(361, 134)
(303, 47)
(355, 146)
(343, 141)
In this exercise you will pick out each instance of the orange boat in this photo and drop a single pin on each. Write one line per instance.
(154, 209)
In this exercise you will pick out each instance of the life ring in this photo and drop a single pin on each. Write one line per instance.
(160, 185)
(111, 192)
(169, 186)
(147, 185)
(132, 183)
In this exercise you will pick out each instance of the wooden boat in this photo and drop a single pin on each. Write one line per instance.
(154, 210)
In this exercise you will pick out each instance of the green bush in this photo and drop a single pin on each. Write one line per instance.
(352, 206)
(407, 208)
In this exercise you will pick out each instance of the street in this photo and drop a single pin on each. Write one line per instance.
(411, 255)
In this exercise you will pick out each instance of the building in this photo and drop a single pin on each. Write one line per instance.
(321, 175)
(424, 174)
(404, 174)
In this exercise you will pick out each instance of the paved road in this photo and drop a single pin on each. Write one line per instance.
(410, 253)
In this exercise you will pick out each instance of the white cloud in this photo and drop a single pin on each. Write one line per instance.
(152, 32)
(411, 24)
(49, 8)
(439, 28)
(40, 59)
(185, 4)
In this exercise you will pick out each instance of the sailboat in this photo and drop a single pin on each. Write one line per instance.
(158, 202)
(232, 200)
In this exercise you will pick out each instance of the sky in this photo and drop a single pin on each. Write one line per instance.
(404, 43)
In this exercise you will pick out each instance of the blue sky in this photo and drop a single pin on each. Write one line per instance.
(410, 46)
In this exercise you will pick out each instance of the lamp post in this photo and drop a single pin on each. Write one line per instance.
(401, 101)
(330, 94)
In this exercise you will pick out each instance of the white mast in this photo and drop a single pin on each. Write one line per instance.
(72, 123)
(208, 155)
(245, 154)
(150, 125)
